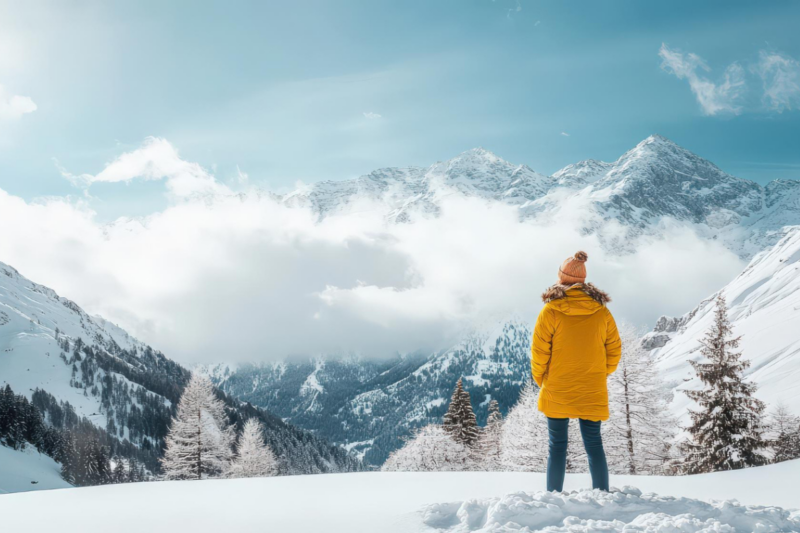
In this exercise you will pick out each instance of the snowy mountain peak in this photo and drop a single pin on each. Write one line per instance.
(660, 152)
(581, 173)
(655, 180)
(476, 163)
(478, 154)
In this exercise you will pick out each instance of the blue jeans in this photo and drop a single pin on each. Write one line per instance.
(557, 462)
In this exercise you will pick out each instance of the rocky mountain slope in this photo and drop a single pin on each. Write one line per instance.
(369, 406)
(764, 308)
(74, 366)
(655, 181)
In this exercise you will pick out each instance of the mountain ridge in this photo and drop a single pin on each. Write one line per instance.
(655, 180)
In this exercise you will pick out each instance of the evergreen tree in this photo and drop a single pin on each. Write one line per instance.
(785, 435)
(637, 436)
(487, 449)
(199, 440)
(432, 449)
(119, 475)
(133, 473)
(68, 459)
(98, 465)
(253, 457)
(460, 421)
(726, 433)
(8, 418)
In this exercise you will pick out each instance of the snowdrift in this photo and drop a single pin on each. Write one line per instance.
(372, 502)
(594, 511)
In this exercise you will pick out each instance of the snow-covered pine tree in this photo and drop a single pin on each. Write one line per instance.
(637, 435)
(253, 457)
(523, 439)
(784, 435)
(200, 439)
(432, 449)
(118, 474)
(132, 475)
(487, 451)
(726, 433)
(459, 420)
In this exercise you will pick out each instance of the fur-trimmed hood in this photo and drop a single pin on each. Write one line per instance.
(559, 291)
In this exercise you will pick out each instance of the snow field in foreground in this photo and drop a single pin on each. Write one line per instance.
(406, 502)
(589, 511)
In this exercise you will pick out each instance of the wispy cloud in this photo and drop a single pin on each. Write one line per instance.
(156, 159)
(13, 106)
(371, 116)
(780, 75)
(565, 134)
(714, 98)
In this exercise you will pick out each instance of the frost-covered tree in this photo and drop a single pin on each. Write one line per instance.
(637, 436)
(784, 429)
(432, 449)
(726, 433)
(459, 420)
(118, 473)
(523, 439)
(253, 457)
(487, 450)
(199, 440)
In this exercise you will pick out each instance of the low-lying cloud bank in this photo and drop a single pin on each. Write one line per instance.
(241, 277)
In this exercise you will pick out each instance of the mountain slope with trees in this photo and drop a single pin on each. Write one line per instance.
(96, 384)
(763, 307)
(371, 405)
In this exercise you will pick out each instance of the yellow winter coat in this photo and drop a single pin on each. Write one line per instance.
(575, 347)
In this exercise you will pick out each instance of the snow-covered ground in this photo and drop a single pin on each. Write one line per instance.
(763, 306)
(24, 470)
(418, 502)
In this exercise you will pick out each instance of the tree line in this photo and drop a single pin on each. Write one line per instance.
(729, 428)
(75, 443)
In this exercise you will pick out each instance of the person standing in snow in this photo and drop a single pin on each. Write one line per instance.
(575, 348)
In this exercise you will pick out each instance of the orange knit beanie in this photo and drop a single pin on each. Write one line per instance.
(573, 269)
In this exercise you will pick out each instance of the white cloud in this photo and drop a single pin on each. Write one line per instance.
(565, 134)
(13, 106)
(780, 75)
(714, 98)
(156, 159)
(371, 116)
(243, 277)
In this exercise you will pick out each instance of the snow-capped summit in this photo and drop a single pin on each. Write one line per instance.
(581, 173)
(479, 172)
(764, 307)
(476, 172)
(658, 179)
(655, 180)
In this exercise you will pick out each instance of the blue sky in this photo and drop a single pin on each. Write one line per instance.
(330, 90)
